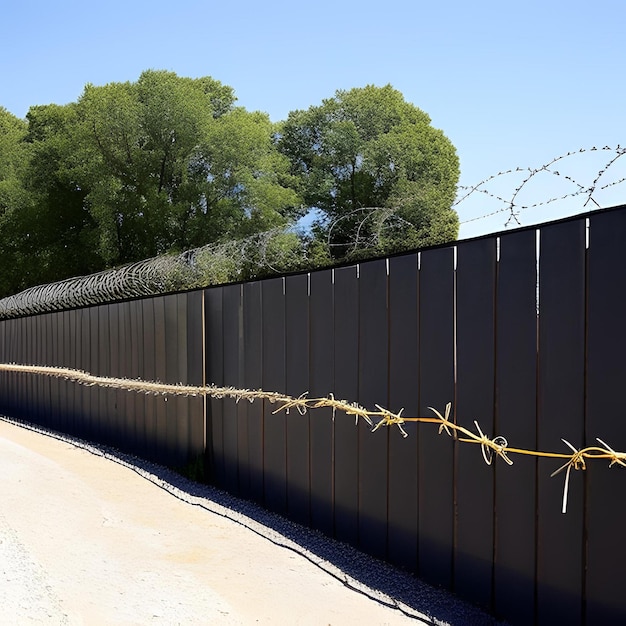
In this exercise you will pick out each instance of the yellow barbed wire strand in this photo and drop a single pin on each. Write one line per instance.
(376, 419)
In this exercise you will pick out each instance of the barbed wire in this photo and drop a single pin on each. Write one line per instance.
(511, 205)
(381, 417)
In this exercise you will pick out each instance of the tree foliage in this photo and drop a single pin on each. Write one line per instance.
(164, 164)
(173, 164)
(14, 200)
(368, 148)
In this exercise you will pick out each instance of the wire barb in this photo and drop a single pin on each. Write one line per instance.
(513, 207)
(577, 462)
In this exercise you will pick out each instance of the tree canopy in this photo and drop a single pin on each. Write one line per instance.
(368, 148)
(169, 163)
(14, 199)
(136, 169)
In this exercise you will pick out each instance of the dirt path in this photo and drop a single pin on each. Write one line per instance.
(86, 540)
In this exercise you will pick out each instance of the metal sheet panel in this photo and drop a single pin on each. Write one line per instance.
(195, 371)
(297, 383)
(516, 375)
(373, 374)
(41, 382)
(135, 402)
(214, 338)
(253, 379)
(160, 370)
(475, 396)
(3, 359)
(606, 373)
(560, 415)
(275, 460)
(99, 367)
(321, 384)
(55, 383)
(183, 403)
(71, 331)
(87, 427)
(232, 346)
(403, 394)
(29, 404)
(436, 375)
(115, 416)
(149, 373)
(175, 406)
(346, 297)
(172, 404)
(241, 408)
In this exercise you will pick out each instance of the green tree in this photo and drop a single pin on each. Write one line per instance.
(368, 148)
(40, 211)
(13, 198)
(170, 163)
(133, 170)
(57, 229)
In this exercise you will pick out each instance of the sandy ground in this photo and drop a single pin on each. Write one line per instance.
(87, 540)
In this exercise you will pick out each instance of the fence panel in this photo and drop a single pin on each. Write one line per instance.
(170, 405)
(15, 381)
(4, 376)
(297, 383)
(346, 464)
(195, 371)
(87, 427)
(321, 383)
(28, 356)
(403, 394)
(436, 380)
(160, 404)
(182, 413)
(606, 372)
(231, 314)
(135, 402)
(26, 402)
(215, 375)
(475, 394)
(38, 382)
(11, 378)
(560, 414)
(253, 376)
(52, 340)
(115, 418)
(98, 405)
(150, 372)
(72, 331)
(516, 375)
(241, 409)
(68, 361)
(373, 373)
(275, 430)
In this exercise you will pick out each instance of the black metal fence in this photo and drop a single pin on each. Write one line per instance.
(522, 331)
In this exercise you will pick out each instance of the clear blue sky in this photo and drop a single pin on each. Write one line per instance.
(510, 83)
